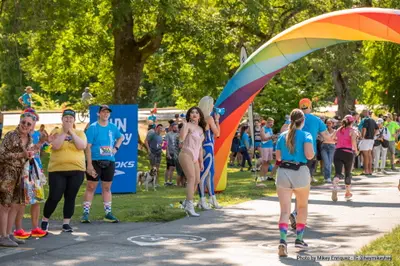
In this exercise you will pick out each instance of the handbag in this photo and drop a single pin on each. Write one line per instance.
(385, 143)
(291, 165)
(33, 182)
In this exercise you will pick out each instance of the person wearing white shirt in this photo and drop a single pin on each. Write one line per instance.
(381, 144)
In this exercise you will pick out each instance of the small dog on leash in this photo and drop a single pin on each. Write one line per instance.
(147, 178)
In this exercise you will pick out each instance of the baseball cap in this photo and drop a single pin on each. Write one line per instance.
(68, 112)
(379, 121)
(349, 118)
(305, 103)
(29, 88)
(104, 107)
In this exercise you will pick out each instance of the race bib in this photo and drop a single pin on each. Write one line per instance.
(106, 151)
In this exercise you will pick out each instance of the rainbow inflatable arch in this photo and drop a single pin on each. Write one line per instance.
(375, 24)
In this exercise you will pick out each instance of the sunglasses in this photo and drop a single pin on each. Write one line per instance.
(25, 123)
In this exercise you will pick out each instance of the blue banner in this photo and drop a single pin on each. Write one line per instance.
(125, 117)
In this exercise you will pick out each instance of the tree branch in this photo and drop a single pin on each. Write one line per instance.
(150, 43)
(2, 6)
(145, 39)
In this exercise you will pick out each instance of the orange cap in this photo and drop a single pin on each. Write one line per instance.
(305, 103)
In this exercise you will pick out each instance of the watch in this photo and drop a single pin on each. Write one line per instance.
(117, 148)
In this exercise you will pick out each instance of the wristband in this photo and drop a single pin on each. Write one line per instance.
(117, 148)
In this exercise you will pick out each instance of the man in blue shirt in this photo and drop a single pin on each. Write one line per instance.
(313, 125)
(104, 140)
(151, 120)
(26, 98)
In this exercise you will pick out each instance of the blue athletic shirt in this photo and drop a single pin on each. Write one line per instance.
(152, 118)
(27, 99)
(245, 139)
(314, 125)
(102, 140)
(300, 138)
(269, 143)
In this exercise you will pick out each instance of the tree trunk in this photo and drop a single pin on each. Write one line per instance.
(130, 55)
(344, 99)
(128, 65)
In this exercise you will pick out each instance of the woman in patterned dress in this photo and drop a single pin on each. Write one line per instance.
(13, 155)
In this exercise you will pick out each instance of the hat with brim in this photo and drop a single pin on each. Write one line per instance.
(29, 88)
(104, 107)
(305, 103)
(69, 112)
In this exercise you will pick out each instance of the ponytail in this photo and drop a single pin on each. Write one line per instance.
(345, 123)
(296, 118)
(290, 137)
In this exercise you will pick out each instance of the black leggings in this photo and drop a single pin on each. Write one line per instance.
(61, 183)
(343, 158)
(245, 157)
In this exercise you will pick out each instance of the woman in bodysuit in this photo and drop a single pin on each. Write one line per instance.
(191, 155)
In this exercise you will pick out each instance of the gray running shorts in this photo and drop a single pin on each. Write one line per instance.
(392, 147)
(292, 179)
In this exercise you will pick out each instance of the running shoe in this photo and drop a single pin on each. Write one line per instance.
(348, 195)
(67, 228)
(16, 240)
(328, 181)
(385, 172)
(21, 234)
(37, 232)
(300, 244)
(85, 218)
(5, 241)
(282, 249)
(292, 219)
(270, 178)
(45, 226)
(110, 218)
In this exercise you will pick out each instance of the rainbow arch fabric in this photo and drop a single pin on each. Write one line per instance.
(376, 24)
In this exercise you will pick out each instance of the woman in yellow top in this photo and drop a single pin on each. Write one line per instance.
(66, 169)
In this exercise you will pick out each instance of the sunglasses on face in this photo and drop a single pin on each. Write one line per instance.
(25, 123)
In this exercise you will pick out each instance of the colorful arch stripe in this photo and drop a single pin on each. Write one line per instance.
(375, 24)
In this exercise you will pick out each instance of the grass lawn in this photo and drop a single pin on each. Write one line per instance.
(386, 245)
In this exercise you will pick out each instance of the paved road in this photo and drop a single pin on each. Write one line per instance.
(244, 234)
(12, 119)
